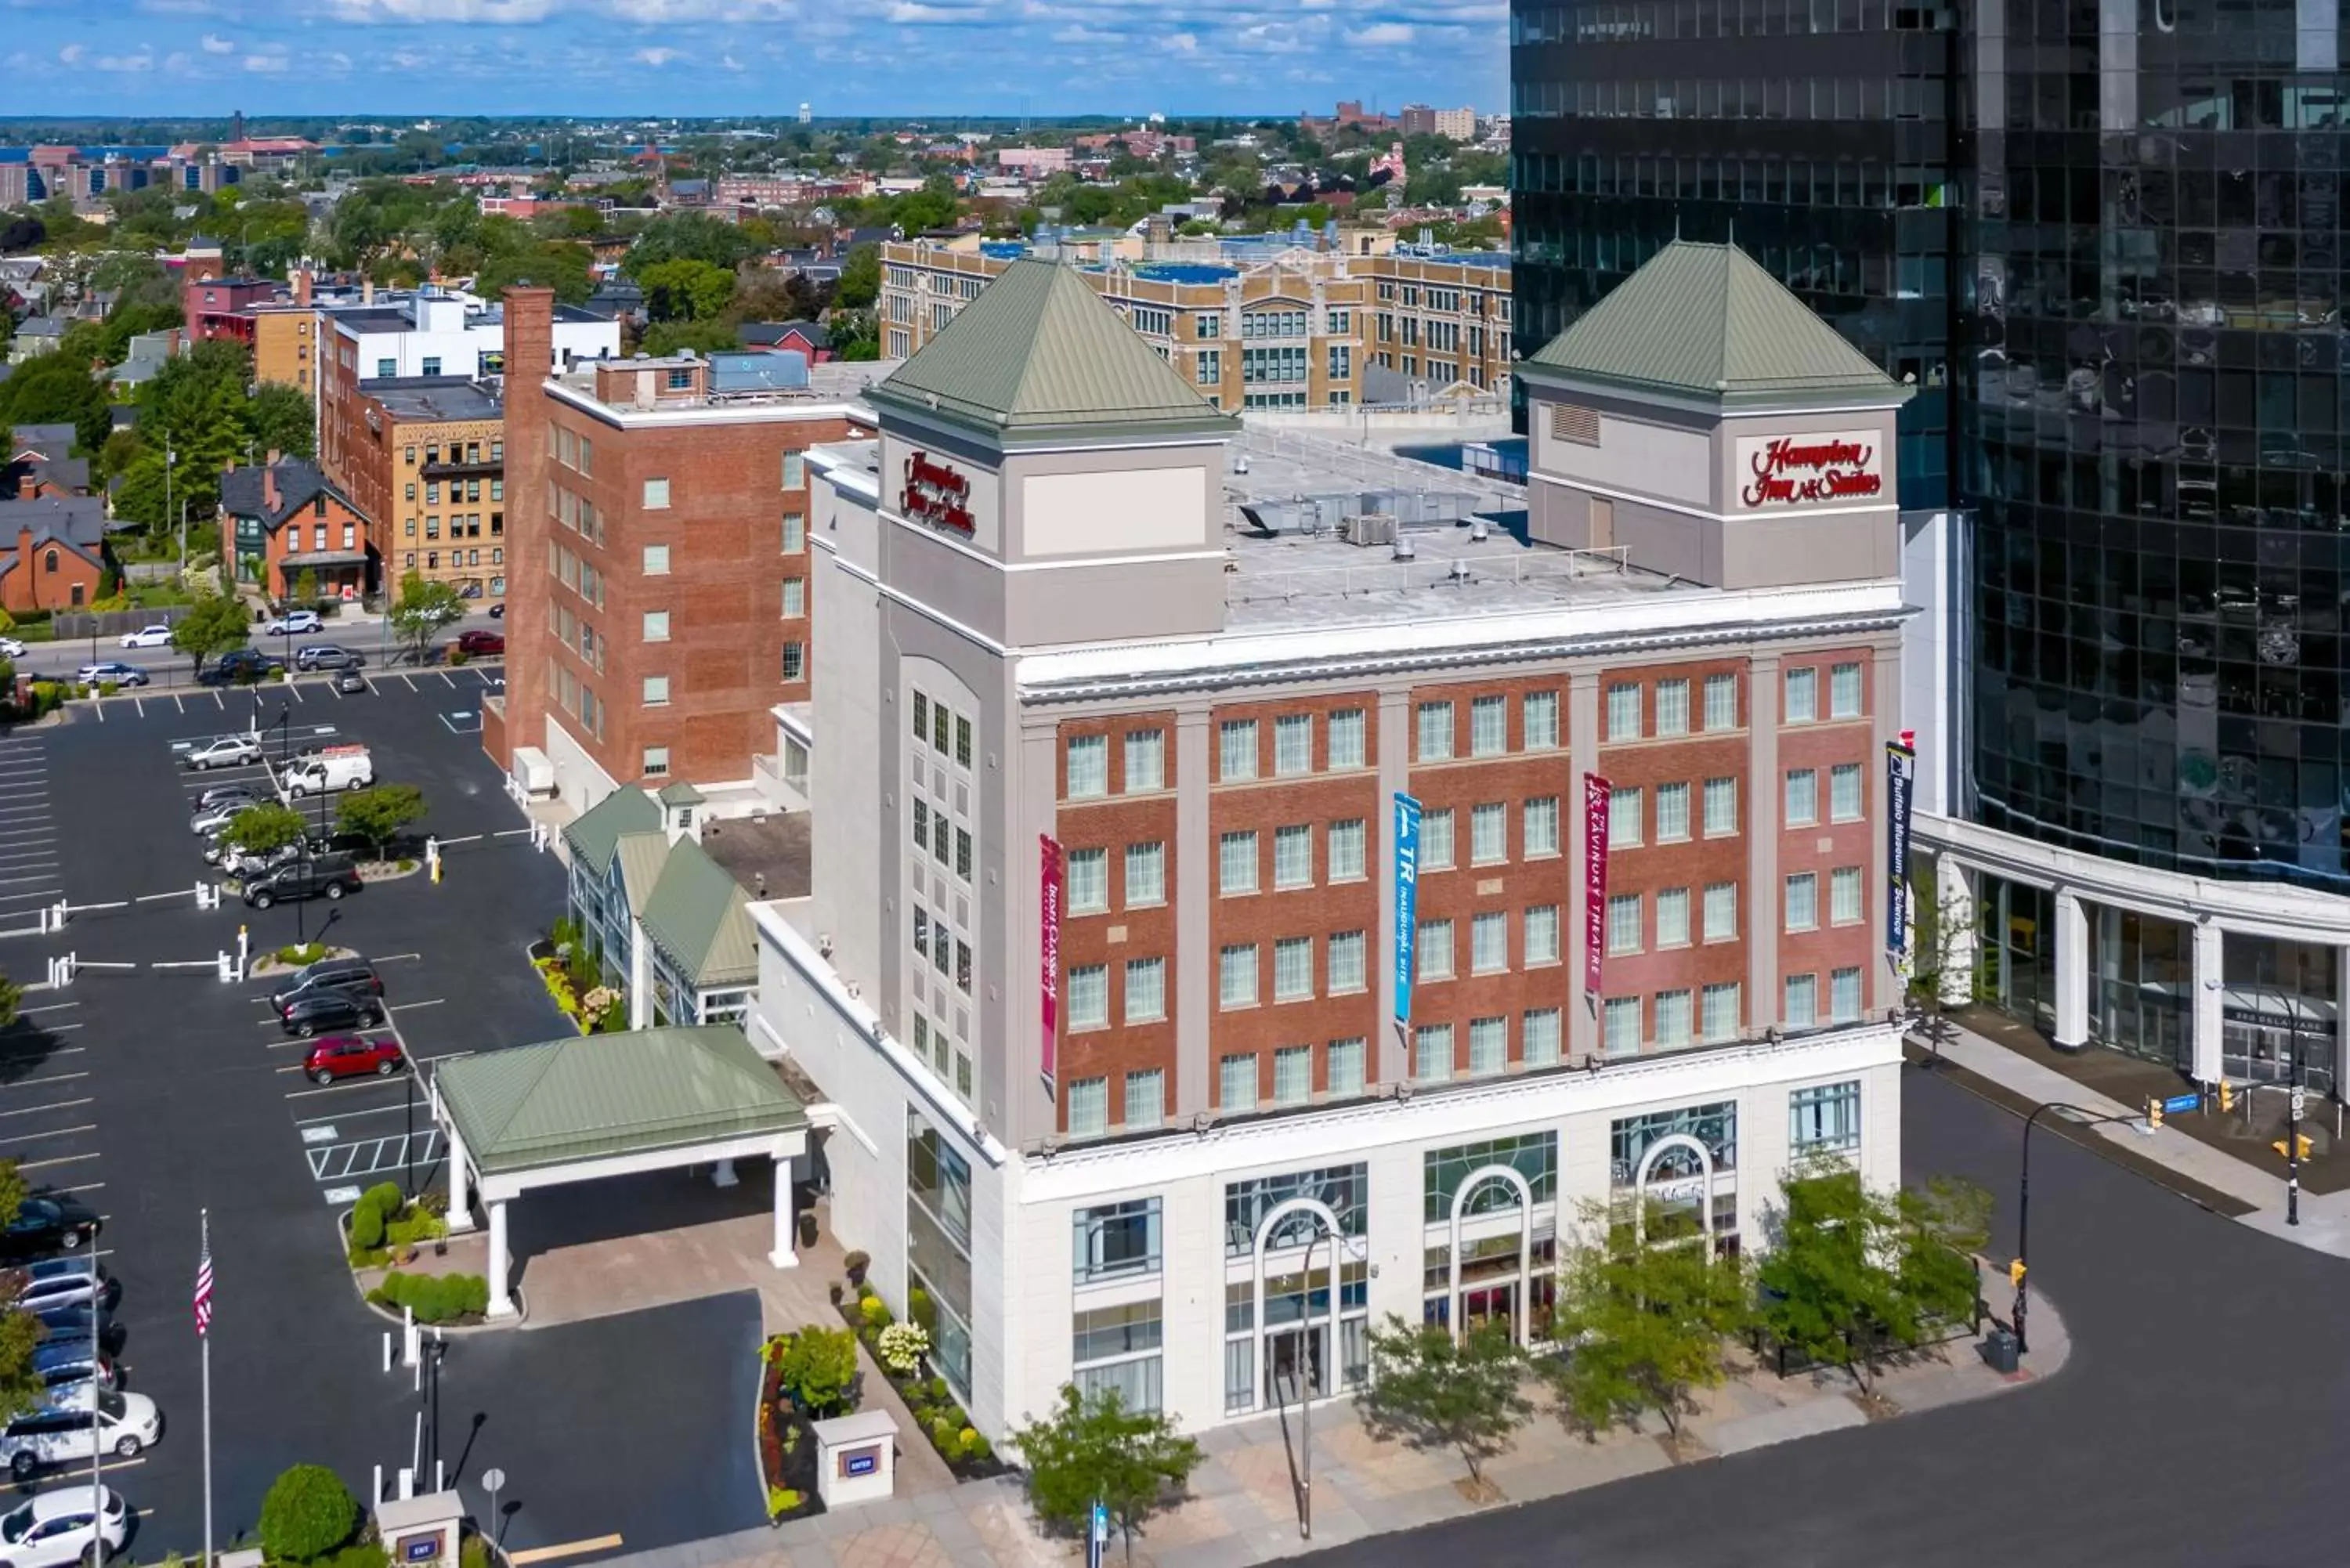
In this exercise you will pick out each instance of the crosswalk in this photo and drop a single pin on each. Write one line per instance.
(365, 1157)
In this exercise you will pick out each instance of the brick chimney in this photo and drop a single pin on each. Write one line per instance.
(269, 484)
(529, 354)
(301, 286)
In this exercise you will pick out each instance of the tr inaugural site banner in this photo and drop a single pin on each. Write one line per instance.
(1407, 900)
(1048, 920)
(1596, 792)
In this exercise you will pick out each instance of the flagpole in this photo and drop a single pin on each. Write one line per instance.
(204, 1334)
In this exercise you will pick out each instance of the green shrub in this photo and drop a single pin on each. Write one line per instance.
(473, 1552)
(358, 1554)
(876, 1312)
(781, 1500)
(366, 1224)
(818, 1367)
(434, 1298)
(979, 1448)
(307, 1513)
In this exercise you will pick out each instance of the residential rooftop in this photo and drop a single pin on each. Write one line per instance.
(431, 398)
(835, 381)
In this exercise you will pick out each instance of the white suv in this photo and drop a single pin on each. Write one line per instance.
(57, 1528)
(228, 751)
(72, 1433)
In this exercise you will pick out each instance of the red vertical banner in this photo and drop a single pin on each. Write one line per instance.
(1048, 921)
(1596, 793)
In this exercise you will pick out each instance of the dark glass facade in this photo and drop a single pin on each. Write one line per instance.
(2153, 415)
(1816, 133)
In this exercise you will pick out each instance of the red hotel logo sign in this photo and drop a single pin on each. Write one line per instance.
(936, 494)
(1805, 470)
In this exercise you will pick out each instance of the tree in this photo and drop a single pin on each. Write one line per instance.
(215, 625)
(378, 815)
(22, 1388)
(685, 290)
(1858, 1274)
(279, 418)
(259, 829)
(818, 1368)
(309, 1513)
(860, 279)
(1434, 1391)
(56, 389)
(11, 996)
(1942, 970)
(1093, 1449)
(1649, 1319)
(688, 236)
(666, 337)
(422, 612)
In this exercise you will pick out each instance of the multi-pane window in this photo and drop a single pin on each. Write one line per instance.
(1348, 971)
(1489, 1046)
(1542, 825)
(1672, 1018)
(1620, 1020)
(1672, 707)
(1237, 752)
(1623, 923)
(1435, 732)
(1625, 807)
(1236, 863)
(1672, 812)
(1089, 872)
(1802, 901)
(1146, 761)
(1538, 1037)
(1843, 793)
(1346, 730)
(1489, 942)
(1145, 1098)
(1292, 857)
(1088, 996)
(1541, 934)
(1541, 718)
(1623, 712)
(1801, 1001)
(1720, 807)
(1844, 691)
(1117, 1239)
(1672, 917)
(1236, 1083)
(1346, 1067)
(1722, 911)
(1720, 702)
(1292, 745)
(1292, 1075)
(1293, 969)
(1146, 875)
(1719, 1020)
(1844, 995)
(795, 597)
(1236, 976)
(1436, 840)
(1802, 695)
(1088, 766)
(1146, 989)
(1431, 1052)
(1826, 1116)
(1803, 797)
(1089, 1108)
(1432, 949)
(1489, 834)
(1489, 726)
(1346, 851)
(1844, 896)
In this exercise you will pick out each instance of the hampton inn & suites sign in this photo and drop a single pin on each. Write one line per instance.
(1809, 470)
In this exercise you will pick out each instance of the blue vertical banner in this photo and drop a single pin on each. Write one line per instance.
(1407, 899)
(1900, 782)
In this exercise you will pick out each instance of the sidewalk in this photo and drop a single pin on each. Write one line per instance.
(1243, 1506)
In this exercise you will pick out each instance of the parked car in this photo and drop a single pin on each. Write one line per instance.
(11, 649)
(474, 644)
(239, 664)
(295, 623)
(338, 767)
(325, 656)
(60, 1362)
(498, 610)
(46, 1224)
(319, 876)
(213, 818)
(227, 752)
(352, 974)
(105, 1420)
(245, 865)
(84, 1321)
(61, 1527)
(111, 669)
(156, 636)
(222, 794)
(350, 1056)
(350, 681)
(326, 1011)
(65, 1282)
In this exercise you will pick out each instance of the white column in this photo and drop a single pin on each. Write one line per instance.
(2211, 990)
(641, 977)
(2342, 1021)
(2072, 972)
(501, 1300)
(1959, 927)
(723, 1174)
(461, 1184)
(784, 1257)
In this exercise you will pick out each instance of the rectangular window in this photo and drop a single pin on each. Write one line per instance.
(656, 691)
(921, 719)
(795, 533)
(1348, 728)
(1088, 766)
(1489, 942)
(1672, 917)
(1802, 798)
(1802, 901)
(1623, 923)
(1722, 911)
(795, 597)
(1538, 1037)
(1542, 825)
(1347, 961)
(1672, 707)
(962, 742)
(962, 853)
(1802, 695)
(1292, 1075)
(1116, 1239)
(656, 626)
(1236, 1083)
(1827, 1117)
(1237, 861)
(1541, 934)
(1208, 369)
(1843, 793)
(1623, 712)
(1489, 1046)
(1541, 718)
(1844, 691)
(1720, 702)
(1720, 1020)
(1720, 807)
(1088, 1109)
(656, 761)
(1346, 1067)
(1293, 745)
(1844, 896)
(1431, 1052)
(1624, 809)
(656, 560)
(1146, 761)
(1621, 1021)
(1292, 857)
(1236, 976)
(1434, 949)
(1146, 989)
(1145, 1098)
(1803, 1002)
(1293, 969)
(1489, 834)
(1088, 996)
(1238, 754)
(1672, 812)
(1844, 995)
(1435, 732)
(1489, 726)
(1146, 875)
(1346, 851)
(1088, 880)
(656, 495)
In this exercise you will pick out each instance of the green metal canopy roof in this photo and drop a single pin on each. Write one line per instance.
(1708, 320)
(597, 831)
(700, 916)
(1039, 350)
(605, 1095)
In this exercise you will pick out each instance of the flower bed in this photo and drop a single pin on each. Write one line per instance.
(285, 961)
(383, 1226)
(806, 1375)
(902, 1352)
(576, 981)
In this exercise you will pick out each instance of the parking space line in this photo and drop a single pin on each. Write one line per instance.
(567, 1548)
(411, 1006)
(61, 1160)
(368, 1083)
(38, 893)
(37, 1082)
(84, 1187)
(53, 1132)
(182, 707)
(60, 1106)
(347, 1114)
(395, 958)
(50, 1007)
(38, 877)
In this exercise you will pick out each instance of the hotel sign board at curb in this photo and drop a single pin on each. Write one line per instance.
(1836, 468)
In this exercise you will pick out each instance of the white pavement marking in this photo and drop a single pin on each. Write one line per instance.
(61, 1159)
(366, 1157)
(35, 893)
(411, 1006)
(60, 1106)
(395, 958)
(37, 877)
(367, 1083)
(313, 1123)
(447, 681)
(182, 707)
(220, 702)
(59, 1078)
(53, 1132)
(50, 1007)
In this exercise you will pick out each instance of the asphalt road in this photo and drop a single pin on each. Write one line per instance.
(157, 1095)
(170, 667)
(2198, 1423)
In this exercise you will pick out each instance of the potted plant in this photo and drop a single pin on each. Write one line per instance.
(854, 1264)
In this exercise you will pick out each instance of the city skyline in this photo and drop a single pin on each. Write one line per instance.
(1002, 58)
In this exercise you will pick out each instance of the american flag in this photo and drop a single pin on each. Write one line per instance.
(204, 1288)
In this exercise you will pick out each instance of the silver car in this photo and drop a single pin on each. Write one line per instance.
(228, 751)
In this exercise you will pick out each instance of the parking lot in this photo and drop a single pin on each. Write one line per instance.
(153, 1092)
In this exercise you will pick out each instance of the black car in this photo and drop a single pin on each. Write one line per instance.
(239, 664)
(498, 610)
(323, 876)
(355, 975)
(330, 1012)
(59, 1362)
(47, 1225)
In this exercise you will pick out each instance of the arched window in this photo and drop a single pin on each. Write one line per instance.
(50, 565)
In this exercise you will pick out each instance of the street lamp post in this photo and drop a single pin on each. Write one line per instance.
(2024, 1201)
(2292, 1101)
(285, 763)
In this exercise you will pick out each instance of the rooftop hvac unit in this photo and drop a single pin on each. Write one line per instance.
(1369, 529)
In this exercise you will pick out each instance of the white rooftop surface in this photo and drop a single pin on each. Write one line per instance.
(833, 382)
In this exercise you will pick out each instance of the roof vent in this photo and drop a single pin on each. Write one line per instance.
(1404, 549)
(1458, 572)
(1479, 533)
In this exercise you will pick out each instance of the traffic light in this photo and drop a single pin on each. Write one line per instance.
(2226, 1095)
(2153, 1116)
(2279, 1147)
(2015, 1273)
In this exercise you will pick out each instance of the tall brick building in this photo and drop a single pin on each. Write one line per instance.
(657, 602)
(423, 457)
(1188, 893)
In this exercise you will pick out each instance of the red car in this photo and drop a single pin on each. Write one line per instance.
(473, 644)
(348, 1057)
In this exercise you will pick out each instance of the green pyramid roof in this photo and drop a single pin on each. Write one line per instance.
(1706, 320)
(1039, 350)
(595, 833)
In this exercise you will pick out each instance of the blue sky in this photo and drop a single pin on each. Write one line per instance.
(413, 57)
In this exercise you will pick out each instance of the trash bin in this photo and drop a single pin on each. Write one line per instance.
(1997, 1350)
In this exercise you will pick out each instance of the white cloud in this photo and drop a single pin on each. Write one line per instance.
(216, 45)
(143, 60)
(1183, 43)
(177, 62)
(657, 58)
(1076, 33)
(1381, 35)
(729, 63)
(494, 12)
(267, 65)
(71, 54)
(912, 13)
